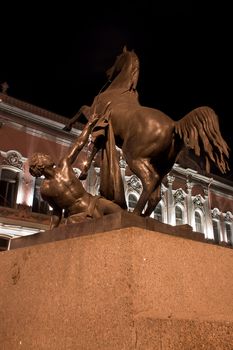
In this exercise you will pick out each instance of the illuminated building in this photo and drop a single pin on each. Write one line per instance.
(188, 195)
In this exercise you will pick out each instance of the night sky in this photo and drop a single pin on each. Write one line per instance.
(56, 57)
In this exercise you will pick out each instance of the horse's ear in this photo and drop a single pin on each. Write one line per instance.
(125, 49)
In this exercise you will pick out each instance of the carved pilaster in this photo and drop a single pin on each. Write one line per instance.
(170, 202)
(123, 165)
(170, 179)
(97, 184)
(189, 186)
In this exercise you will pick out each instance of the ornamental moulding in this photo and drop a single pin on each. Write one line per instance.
(12, 158)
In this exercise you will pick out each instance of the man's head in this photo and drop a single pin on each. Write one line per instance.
(38, 162)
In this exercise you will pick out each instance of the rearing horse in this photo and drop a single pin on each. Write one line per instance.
(150, 140)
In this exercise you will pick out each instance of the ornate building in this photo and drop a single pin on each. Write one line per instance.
(188, 195)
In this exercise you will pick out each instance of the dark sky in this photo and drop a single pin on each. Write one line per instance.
(56, 57)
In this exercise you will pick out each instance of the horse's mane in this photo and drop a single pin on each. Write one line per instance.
(113, 72)
(135, 70)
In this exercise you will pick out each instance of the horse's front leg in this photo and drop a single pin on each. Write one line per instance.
(84, 110)
(153, 201)
(149, 178)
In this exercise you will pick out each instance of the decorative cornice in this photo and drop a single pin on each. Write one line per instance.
(179, 196)
(228, 216)
(43, 121)
(201, 178)
(198, 202)
(12, 158)
(215, 213)
(135, 183)
(25, 106)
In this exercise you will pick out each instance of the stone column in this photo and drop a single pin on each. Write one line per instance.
(123, 165)
(170, 201)
(207, 206)
(190, 217)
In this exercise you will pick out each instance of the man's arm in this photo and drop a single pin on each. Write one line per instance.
(82, 139)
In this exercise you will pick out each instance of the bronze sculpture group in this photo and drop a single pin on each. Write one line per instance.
(149, 139)
(62, 189)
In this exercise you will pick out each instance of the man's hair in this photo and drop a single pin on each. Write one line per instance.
(40, 160)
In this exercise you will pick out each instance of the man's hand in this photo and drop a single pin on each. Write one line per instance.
(93, 118)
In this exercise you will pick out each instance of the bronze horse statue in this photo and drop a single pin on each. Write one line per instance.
(149, 139)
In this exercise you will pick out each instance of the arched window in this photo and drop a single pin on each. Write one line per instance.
(8, 188)
(132, 201)
(179, 215)
(216, 230)
(38, 204)
(158, 213)
(198, 221)
(228, 232)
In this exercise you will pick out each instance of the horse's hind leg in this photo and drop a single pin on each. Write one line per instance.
(149, 178)
(153, 201)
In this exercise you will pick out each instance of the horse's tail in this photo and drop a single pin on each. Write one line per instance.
(200, 128)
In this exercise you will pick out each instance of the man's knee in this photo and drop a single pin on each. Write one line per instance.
(109, 207)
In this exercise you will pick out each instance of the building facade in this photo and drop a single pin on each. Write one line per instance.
(188, 196)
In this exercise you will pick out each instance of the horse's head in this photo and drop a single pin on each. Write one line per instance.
(126, 59)
(118, 64)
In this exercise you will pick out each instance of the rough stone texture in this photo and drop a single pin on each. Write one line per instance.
(125, 289)
(107, 223)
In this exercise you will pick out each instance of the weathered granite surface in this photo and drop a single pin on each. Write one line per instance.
(124, 289)
(106, 224)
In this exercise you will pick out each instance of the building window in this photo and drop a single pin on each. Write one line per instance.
(216, 230)
(198, 222)
(8, 188)
(158, 213)
(38, 204)
(228, 232)
(179, 215)
(132, 201)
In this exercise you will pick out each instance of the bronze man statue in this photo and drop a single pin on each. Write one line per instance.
(62, 189)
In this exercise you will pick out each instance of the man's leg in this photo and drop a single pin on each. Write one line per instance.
(108, 207)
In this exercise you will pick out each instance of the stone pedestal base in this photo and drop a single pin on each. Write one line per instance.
(126, 289)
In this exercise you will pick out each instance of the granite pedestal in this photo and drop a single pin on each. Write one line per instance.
(126, 288)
